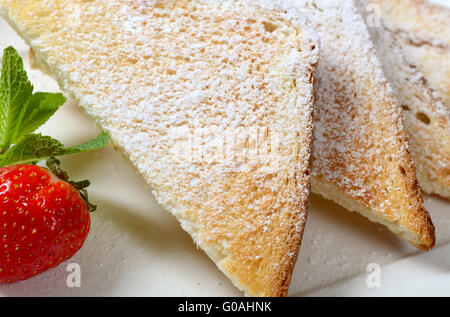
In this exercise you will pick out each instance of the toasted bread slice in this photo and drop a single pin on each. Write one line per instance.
(425, 117)
(361, 156)
(144, 69)
(423, 28)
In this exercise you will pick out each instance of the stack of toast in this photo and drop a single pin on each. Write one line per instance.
(232, 110)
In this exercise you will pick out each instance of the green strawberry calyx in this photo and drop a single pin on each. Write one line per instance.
(54, 165)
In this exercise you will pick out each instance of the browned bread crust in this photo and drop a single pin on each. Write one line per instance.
(361, 154)
(426, 118)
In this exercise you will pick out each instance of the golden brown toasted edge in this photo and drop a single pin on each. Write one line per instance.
(301, 185)
(415, 224)
(426, 117)
(279, 284)
(423, 236)
(417, 220)
(404, 213)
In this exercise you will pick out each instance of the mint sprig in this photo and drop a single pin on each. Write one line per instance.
(37, 147)
(22, 112)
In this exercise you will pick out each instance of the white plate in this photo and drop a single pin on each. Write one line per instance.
(135, 248)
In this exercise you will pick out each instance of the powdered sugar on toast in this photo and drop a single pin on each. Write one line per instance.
(360, 154)
(426, 118)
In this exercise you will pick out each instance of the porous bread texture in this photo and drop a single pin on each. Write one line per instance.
(141, 68)
(361, 157)
(425, 117)
(423, 28)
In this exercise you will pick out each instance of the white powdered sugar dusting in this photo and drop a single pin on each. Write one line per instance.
(426, 117)
(359, 140)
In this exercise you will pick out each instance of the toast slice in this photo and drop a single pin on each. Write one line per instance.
(176, 82)
(426, 118)
(361, 155)
(423, 28)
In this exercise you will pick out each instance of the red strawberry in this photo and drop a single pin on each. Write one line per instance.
(43, 221)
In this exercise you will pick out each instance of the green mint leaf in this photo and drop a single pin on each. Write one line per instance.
(41, 107)
(97, 143)
(36, 147)
(15, 94)
(33, 147)
(21, 112)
